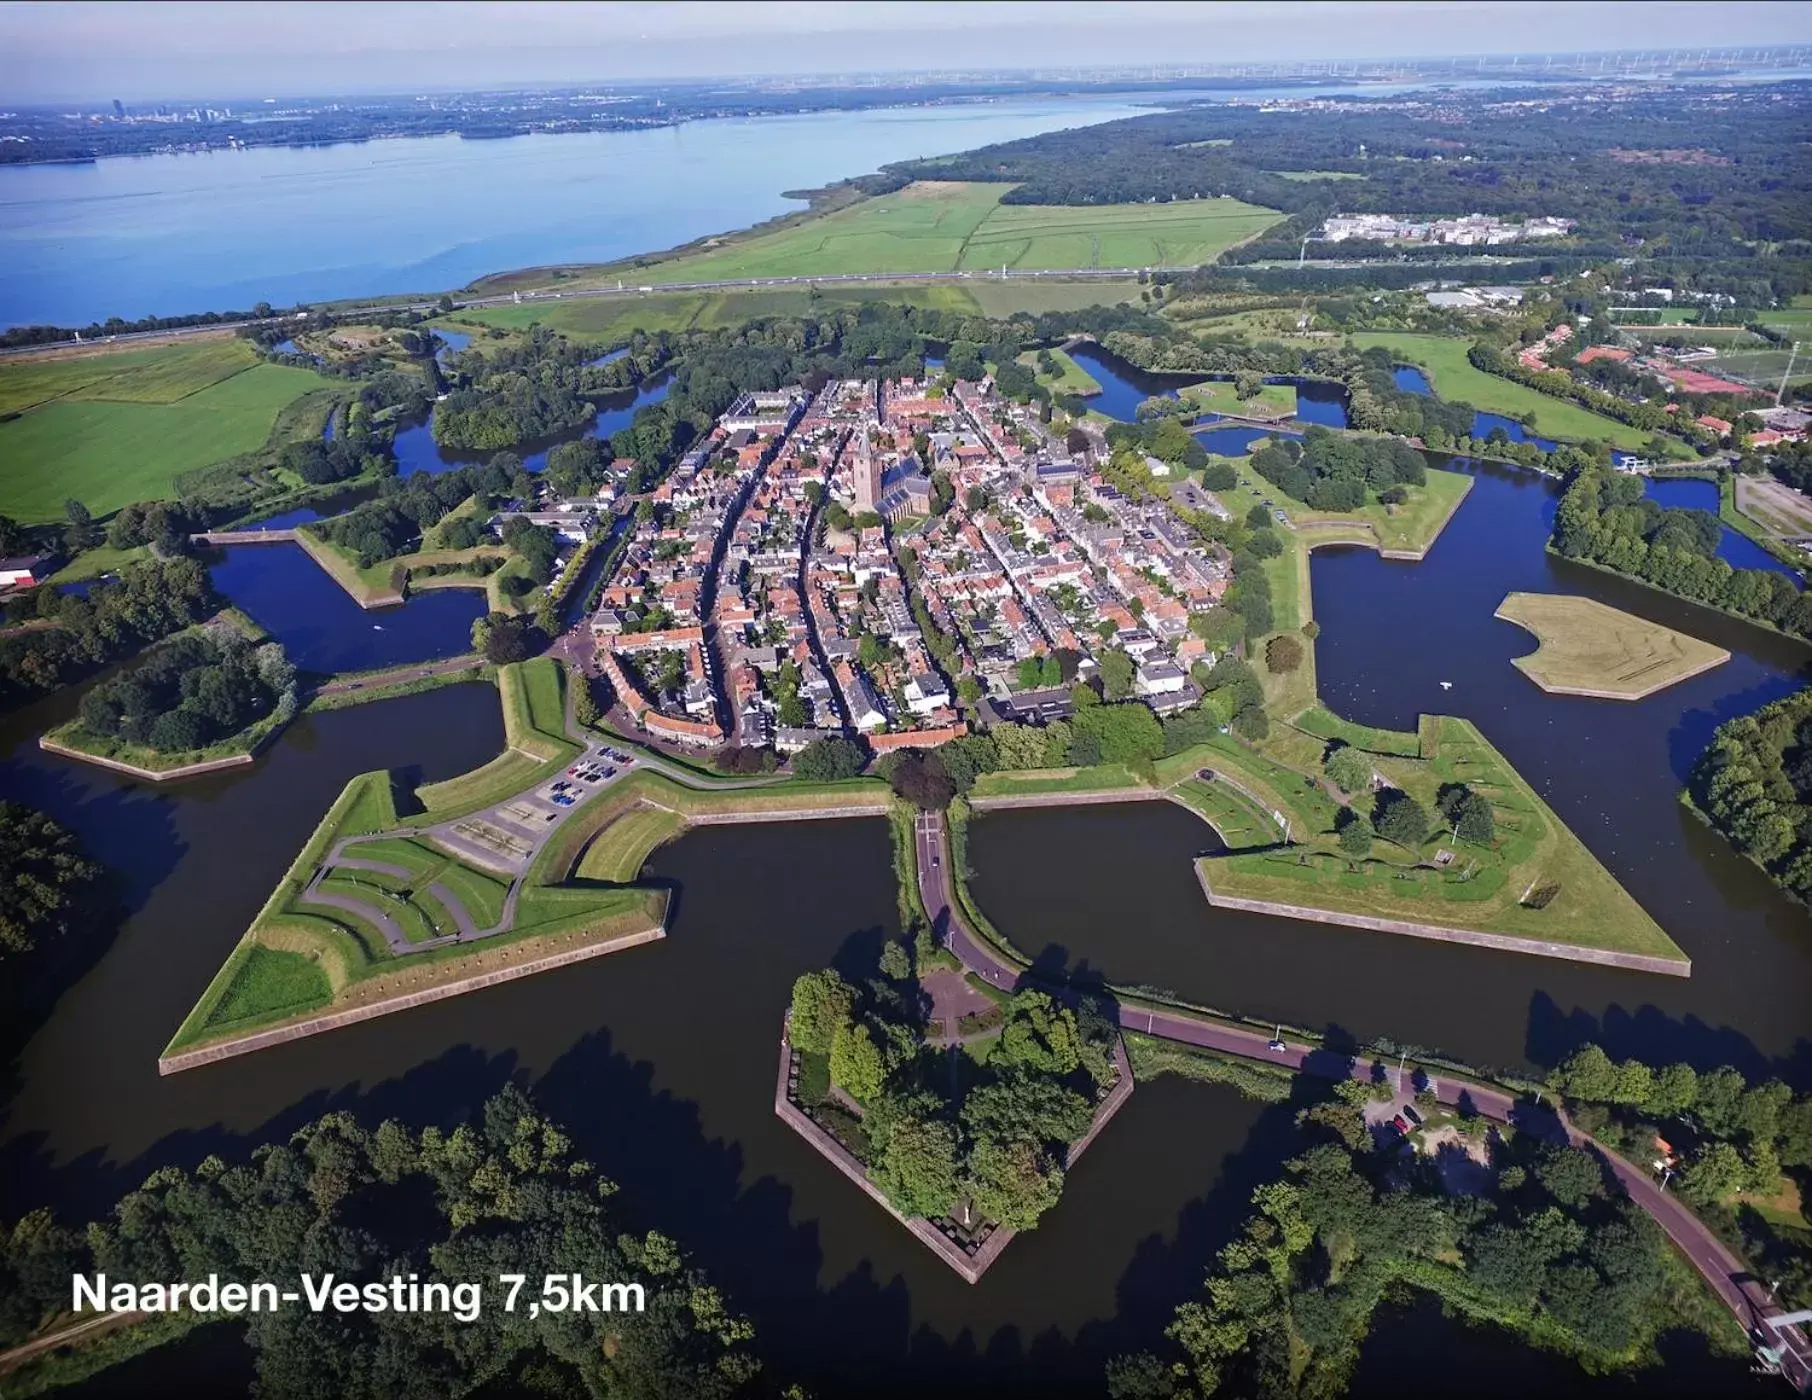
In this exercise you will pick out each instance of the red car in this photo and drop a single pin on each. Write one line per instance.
(1401, 1124)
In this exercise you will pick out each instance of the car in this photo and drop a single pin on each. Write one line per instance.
(571, 772)
(1276, 1045)
(1401, 1124)
(934, 862)
(563, 800)
(609, 773)
(1410, 1113)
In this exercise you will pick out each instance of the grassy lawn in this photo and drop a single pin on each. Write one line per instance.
(1102, 777)
(481, 894)
(295, 960)
(1588, 648)
(269, 982)
(1456, 379)
(1480, 888)
(108, 452)
(1241, 822)
(1219, 396)
(1071, 378)
(618, 852)
(947, 226)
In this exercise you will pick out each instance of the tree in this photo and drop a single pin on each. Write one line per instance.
(1398, 817)
(1116, 673)
(856, 1066)
(505, 639)
(1355, 833)
(896, 962)
(1477, 824)
(1715, 1174)
(1349, 768)
(920, 777)
(44, 878)
(822, 1002)
(828, 760)
(1283, 654)
(1013, 1182)
(81, 532)
(918, 1168)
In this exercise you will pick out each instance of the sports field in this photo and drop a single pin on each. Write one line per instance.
(950, 226)
(115, 428)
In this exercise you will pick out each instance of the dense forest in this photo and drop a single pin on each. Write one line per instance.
(997, 1136)
(1606, 519)
(193, 690)
(150, 599)
(1754, 783)
(1623, 169)
(1543, 1243)
(44, 879)
(1331, 472)
(503, 1194)
(1736, 1148)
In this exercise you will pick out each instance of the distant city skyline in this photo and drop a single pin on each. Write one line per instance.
(179, 49)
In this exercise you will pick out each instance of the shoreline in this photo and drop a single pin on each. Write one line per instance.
(252, 1041)
(1439, 933)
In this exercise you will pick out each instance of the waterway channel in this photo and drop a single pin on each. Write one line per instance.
(660, 1059)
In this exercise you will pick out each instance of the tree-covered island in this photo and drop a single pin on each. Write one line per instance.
(963, 1106)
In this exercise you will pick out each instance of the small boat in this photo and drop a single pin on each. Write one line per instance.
(378, 627)
(1446, 685)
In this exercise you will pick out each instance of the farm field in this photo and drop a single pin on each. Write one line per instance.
(938, 226)
(613, 317)
(118, 428)
(1455, 378)
(1587, 648)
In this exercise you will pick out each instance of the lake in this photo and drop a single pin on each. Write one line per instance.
(135, 236)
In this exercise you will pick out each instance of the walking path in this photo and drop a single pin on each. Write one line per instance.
(1745, 1295)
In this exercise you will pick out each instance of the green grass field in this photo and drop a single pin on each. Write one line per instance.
(161, 374)
(1480, 887)
(1220, 396)
(111, 437)
(939, 226)
(1071, 378)
(1456, 379)
(617, 854)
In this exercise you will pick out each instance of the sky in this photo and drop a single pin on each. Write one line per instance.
(147, 50)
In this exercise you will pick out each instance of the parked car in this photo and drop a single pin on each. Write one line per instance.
(1410, 1113)
(1401, 1124)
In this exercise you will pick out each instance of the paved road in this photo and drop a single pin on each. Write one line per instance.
(628, 289)
(1745, 1296)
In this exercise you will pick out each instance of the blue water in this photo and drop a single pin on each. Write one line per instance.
(322, 629)
(417, 451)
(1736, 550)
(455, 342)
(1412, 381)
(166, 234)
(605, 359)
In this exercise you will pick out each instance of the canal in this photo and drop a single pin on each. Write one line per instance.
(661, 1059)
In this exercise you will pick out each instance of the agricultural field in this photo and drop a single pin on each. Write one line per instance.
(947, 226)
(1587, 648)
(617, 317)
(1456, 379)
(121, 427)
